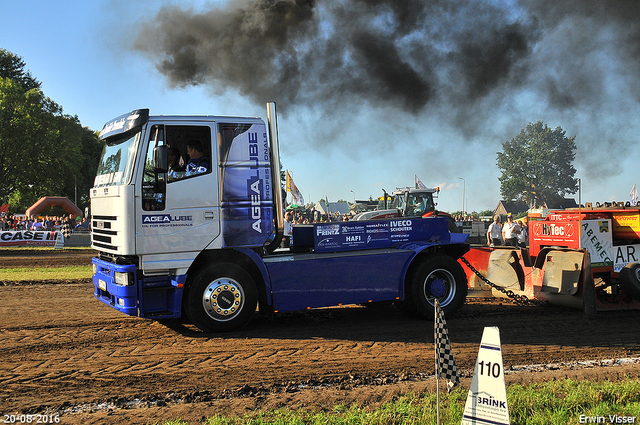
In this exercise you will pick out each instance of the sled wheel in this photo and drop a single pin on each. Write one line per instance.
(630, 280)
(222, 297)
(441, 277)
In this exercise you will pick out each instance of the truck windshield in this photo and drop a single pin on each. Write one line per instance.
(419, 203)
(398, 202)
(118, 157)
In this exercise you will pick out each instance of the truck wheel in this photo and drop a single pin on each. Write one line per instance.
(441, 277)
(630, 280)
(222, 297)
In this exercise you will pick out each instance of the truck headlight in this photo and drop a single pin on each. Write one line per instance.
(95, 269)
(124, 279)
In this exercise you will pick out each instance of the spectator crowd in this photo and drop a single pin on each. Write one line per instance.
(310, 216)
(45, 223)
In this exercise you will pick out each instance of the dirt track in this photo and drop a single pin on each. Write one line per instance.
(64, 352)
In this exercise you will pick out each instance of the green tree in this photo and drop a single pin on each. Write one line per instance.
(536, 165)
(12, 67)
(42, 151)
(77, 186)
(91, 152)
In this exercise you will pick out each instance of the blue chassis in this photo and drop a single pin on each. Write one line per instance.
(292, 281)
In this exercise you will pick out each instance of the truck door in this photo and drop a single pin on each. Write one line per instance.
(178, 211)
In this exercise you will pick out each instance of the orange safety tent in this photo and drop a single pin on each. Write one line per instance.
(54, 200)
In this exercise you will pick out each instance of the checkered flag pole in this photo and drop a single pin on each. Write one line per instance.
(445, 363)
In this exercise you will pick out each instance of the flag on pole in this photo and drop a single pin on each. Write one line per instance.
(446, 364)
(419, 184)
(293, 189)
(634, 195)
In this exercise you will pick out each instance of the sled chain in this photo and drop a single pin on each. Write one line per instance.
(517, 299)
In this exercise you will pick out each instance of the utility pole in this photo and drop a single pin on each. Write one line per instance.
(464, 187)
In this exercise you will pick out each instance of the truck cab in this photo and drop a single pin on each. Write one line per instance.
(202, 245)
(141, 210)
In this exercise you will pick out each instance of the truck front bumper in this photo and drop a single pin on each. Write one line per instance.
(123, 298)
(157, 297)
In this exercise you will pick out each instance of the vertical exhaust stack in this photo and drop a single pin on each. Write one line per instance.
(272, 124)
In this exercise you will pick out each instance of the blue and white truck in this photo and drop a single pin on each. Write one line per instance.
(206, 247)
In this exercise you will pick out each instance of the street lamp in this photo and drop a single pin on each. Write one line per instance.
(354, 196)
(464, 187)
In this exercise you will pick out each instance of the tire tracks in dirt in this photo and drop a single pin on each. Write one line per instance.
(61, 347)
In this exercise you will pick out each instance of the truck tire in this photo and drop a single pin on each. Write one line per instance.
(441, 277)
(630, 280)
(221, 297)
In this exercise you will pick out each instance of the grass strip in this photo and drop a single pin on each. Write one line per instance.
(45, 273)
(556, 402)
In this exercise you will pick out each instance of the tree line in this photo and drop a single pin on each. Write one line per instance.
(43, 151)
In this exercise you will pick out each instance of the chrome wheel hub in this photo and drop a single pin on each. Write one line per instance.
(223, 299)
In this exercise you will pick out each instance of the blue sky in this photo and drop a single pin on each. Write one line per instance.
(81, 52)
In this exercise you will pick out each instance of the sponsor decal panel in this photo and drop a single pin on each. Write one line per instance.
(596, 237)
(247, 190)
(166, 220)
(626, 225)
(625, 254)
(345, 236)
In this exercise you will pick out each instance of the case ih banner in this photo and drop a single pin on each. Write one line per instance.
(31, 238)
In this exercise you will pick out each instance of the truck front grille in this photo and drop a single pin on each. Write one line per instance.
(101, 235)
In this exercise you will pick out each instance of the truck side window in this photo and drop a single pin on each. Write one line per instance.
(153, 182)
(189, 148)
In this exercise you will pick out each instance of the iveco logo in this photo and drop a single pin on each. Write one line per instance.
(400, 225)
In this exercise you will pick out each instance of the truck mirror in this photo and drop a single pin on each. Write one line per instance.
(160, 159)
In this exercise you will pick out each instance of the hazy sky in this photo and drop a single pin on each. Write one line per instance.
(369, 92)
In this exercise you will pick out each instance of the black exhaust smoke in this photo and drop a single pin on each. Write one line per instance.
(483, 68)
(404, 54)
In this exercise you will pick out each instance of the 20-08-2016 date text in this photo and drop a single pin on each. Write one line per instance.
(30, 419)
